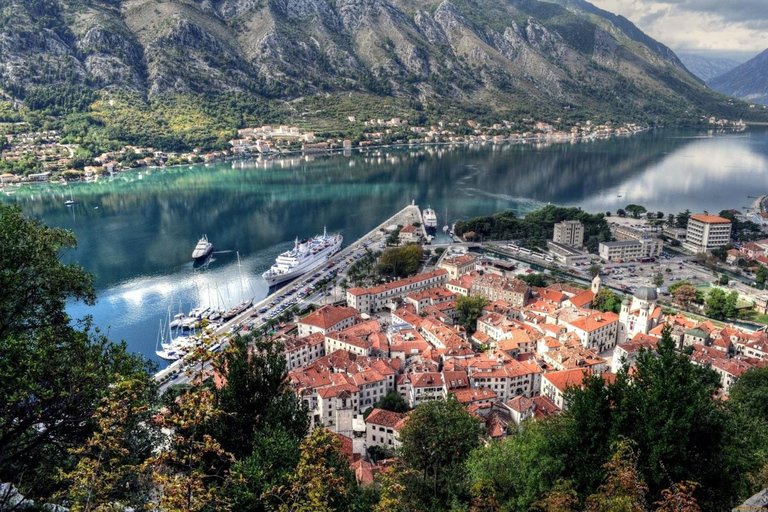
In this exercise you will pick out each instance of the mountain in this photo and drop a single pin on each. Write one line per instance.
(313, 60)
(748, 81)
(707, 68)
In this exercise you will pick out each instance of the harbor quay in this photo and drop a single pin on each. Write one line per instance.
(174, 373)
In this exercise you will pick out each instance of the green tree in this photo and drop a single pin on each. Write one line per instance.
(621, 212)
(534, 279)
(595, 270)
(761, 274)
(716, 304)
(682, 433)
(392, 401)
(34, 284)
(257, 395)
(750, 393)
(470, 308)
(724, 280)
(437, 438)
(54, 373)
(522, 467)
(682, 219)
(400, 262)
(606, 300)
(635, 210)
(658, 279)
(272, 461)
(322, 478)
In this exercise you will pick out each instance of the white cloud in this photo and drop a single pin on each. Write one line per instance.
(717, 26)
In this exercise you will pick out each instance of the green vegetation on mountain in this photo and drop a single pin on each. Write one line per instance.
(178, 74)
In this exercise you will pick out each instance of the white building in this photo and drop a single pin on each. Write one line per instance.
(382, 427)
(707, 232)
(378, 298)
(597, 331)
(327, 319)
(639, 316)
(631, 249)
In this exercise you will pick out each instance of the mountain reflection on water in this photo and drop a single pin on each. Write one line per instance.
(136, 231)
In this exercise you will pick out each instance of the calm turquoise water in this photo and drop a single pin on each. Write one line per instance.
(136, 232)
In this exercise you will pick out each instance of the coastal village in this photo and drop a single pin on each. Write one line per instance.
(514, 362)
(43, 156)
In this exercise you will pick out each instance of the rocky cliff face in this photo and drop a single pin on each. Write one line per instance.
(748, 81)
(562, 54)
(707, 68)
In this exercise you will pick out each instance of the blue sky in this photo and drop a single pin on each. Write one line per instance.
(722, 28)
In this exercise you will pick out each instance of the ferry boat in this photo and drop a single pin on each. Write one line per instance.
(202, 249)
(304, 256)
(430, 220)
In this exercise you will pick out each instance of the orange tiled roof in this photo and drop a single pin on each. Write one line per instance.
(384, 418)
(328, 316)
(595, 321)
(567, 378)
(710, 219)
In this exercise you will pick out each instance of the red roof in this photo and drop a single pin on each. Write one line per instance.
(582, 299)
(328, 316)
(384, 418)
(467, 396)
(568, 378)
(595, 321)
(334, 391)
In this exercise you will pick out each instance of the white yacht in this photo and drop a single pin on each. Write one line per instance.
(304, 256)
(430, 219)
(202, 249)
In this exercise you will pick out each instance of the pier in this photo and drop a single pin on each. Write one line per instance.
(408, 215)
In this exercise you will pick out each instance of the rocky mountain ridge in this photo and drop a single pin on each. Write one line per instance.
(705, 67)
(748, 81)
(550, 57)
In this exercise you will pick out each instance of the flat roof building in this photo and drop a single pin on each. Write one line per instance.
(569, 232)
(707, 232)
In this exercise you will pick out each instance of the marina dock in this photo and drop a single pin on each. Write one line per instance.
(408, 215)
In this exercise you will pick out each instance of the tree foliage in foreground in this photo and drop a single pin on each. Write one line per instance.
(54, 374)
(437, 438)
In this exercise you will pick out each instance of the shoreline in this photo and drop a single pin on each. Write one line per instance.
(533, 139)
(246, 156)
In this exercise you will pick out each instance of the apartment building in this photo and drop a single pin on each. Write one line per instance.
(707, 232)
(378, 298)
(569, 232)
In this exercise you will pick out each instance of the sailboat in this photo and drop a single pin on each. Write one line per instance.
(71, 200)
(244, 304)
(165, 350)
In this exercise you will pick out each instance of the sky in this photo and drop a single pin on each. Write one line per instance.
(735, 29)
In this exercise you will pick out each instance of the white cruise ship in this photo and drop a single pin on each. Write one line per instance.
(304, 256)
